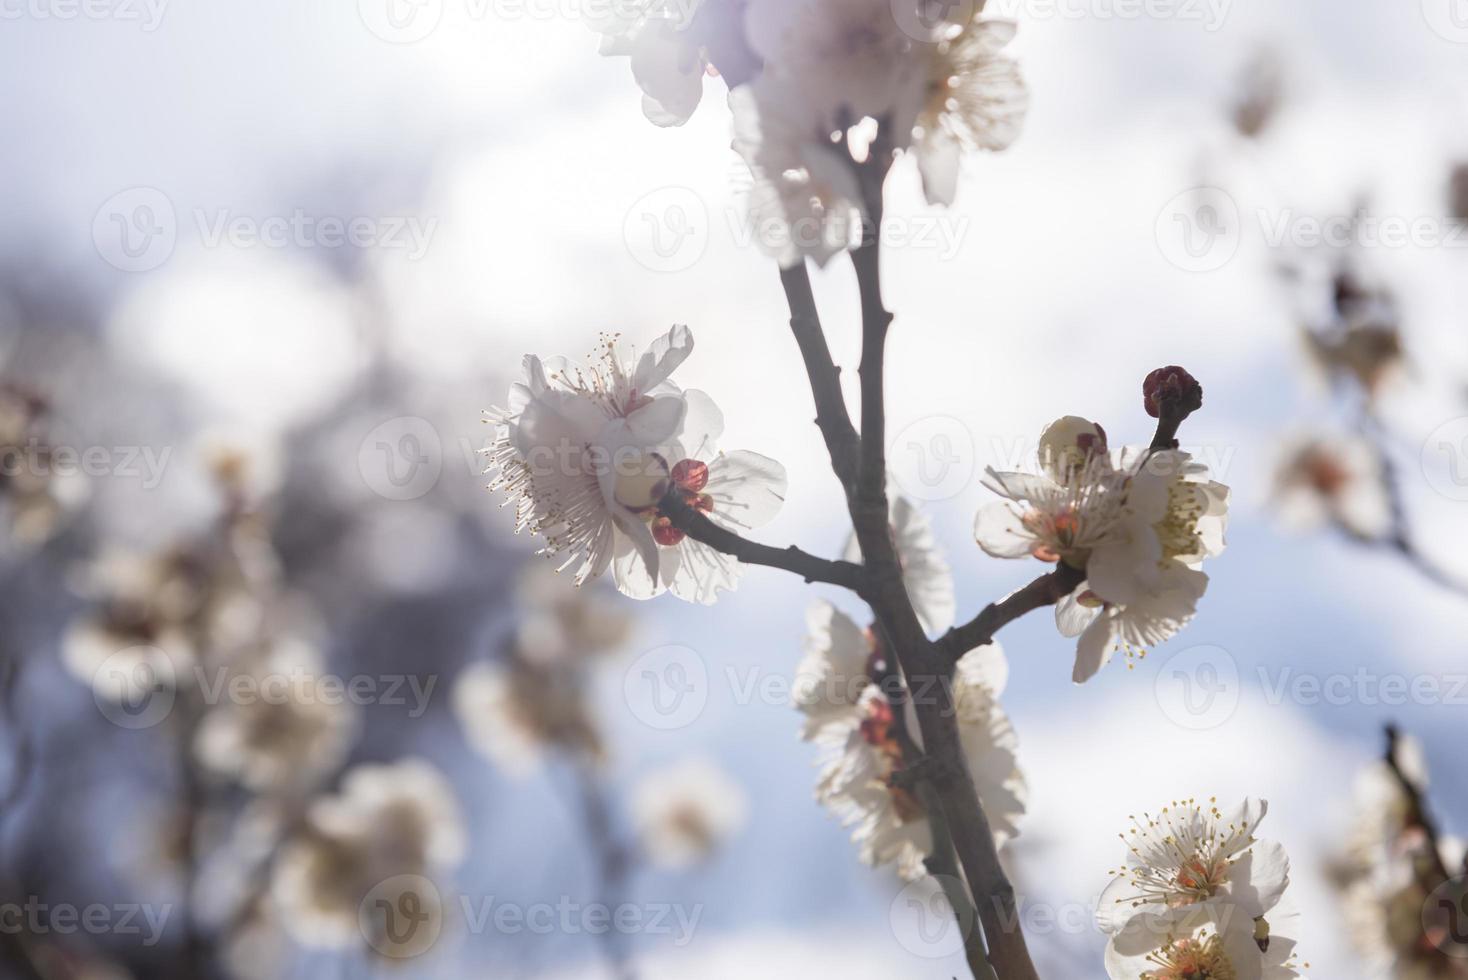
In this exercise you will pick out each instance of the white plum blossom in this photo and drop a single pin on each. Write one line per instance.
(683, 813)
(1333, 479)
(574, 450)
(737, 490)
(1138, 523)
(975, 100)
(842, 81)
(804, 201)
(389, 823)
(1190, 854)
(1212, 941)
(1388, 876)
(561, 626)
(835, 671)
(667, 61)
(587, 454)
(290, 732)
(512, 713)
(1144, 581)
(864, 742)
(925, 571)
(1061, 513)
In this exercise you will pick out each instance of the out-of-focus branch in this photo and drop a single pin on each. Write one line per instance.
(1417, 811)
(613, 863)
(697, 526)
(1044, 591)
(1400, 537)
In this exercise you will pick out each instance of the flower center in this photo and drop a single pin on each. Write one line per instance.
(1201, 878)
(1191, 959)
(1178, 530)
(1055, 533)
(1325, 474)
(640, 480)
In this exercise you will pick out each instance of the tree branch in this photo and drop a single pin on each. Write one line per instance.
(942, 865)
(1044, 591)
(1400, 537)
(697, 526)
(875, 319)
(825, 378)
(880, 583)
(1417, 812)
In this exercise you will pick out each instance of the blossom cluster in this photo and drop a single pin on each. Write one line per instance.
(860, 712)
(1200, 896)
(587, 455)
(1136, 523)
(822, 86)
(1402, 885)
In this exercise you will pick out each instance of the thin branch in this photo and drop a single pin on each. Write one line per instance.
(1400, 537)
(825, 377)
(1417, 812)
(875, 320)
(612, 864)
(942, 864)
(1044, 591)
(697, 526)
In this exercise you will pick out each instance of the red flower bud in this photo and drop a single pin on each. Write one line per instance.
(1171, 388)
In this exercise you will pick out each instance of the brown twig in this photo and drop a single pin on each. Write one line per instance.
(791, 559)
(825, 378)
(1417, 811)
(1044, 591)
(1400, 537)
(958, 803)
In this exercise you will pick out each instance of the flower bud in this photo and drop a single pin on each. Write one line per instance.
(1066, 445)
(1173, 389)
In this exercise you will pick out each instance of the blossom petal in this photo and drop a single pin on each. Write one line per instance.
(1001, 533)
(662, 359)
(1258, 878)
(1094, 649)
(748, 489)
(1071, 617)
